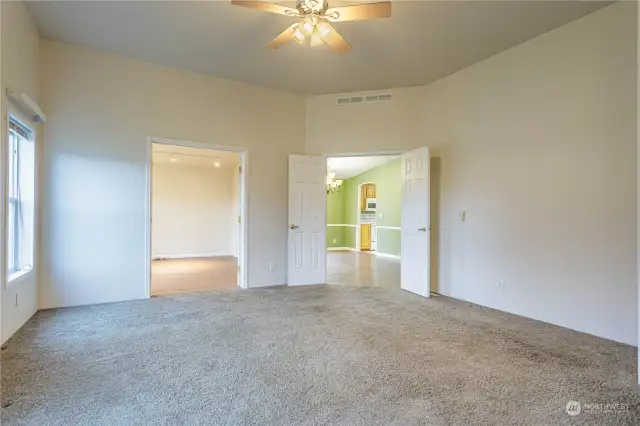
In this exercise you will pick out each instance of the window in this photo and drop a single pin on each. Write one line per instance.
(20, 198)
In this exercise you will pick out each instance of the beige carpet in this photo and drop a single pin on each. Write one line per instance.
(320, 355)
(174, 276)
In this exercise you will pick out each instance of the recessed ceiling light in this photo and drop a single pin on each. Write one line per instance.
(216, 164)
(173, 159)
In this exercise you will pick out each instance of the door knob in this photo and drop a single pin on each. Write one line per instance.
(422, 229)
(292, 226)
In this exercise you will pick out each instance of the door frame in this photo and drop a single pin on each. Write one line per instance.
(360, 154)
(360, 210)
(243, 200)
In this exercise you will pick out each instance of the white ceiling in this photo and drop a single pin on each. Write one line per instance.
(348, 167)
(422, 41)
(198, 157)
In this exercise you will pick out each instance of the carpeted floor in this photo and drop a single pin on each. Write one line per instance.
(316, 355)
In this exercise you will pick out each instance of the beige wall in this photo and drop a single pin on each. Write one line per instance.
(538, 145)
(102, 109)
(193, 208)
(366, 128)
(20, 57)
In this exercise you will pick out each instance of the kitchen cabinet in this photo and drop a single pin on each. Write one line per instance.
(365, 236)
(370, 190)
(367, 191)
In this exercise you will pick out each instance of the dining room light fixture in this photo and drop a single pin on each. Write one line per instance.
(333, 185)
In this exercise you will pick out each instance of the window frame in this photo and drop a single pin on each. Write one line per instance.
(17, 132)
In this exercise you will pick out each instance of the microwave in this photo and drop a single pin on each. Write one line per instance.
(370, 205)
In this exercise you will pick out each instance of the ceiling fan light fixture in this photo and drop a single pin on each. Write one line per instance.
(298, 35)
(308, 25)
(323, 29)
(315, 15)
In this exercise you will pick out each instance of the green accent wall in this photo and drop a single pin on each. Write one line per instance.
(335, 214)
(343, 208)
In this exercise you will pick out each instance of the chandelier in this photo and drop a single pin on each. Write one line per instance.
(333, 185)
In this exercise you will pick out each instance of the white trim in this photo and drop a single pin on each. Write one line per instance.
(243, 200)
(377, 253)
(395, 228)
(14, 277)
(27, 105)
(363, 154)
(342, 224)
(340, 248)
(191, 255)
(391, 256)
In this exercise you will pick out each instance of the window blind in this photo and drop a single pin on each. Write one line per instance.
(18, 128)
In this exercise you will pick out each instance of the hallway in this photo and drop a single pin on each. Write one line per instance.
(193, 274)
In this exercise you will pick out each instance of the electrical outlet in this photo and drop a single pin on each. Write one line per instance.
(335, 240)
(272, 266)
(463, 215)
(501, 285)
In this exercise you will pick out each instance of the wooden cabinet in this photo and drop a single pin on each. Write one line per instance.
(367, 191)
(365, 237)
(370, 190)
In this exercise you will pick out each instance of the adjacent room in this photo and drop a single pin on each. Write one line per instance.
(195, 222)
(363, 221)
(239, 212)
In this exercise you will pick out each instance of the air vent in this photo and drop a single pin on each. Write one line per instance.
(383, 97)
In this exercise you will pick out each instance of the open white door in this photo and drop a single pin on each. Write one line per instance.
(307, 212)
(414, 267)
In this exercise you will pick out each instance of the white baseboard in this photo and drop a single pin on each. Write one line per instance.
(190, 255)
(377, 253)
(391, 256)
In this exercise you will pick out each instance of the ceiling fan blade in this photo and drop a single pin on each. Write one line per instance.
(360, 12)
(283, 37)
(266, 7)
(331, 37)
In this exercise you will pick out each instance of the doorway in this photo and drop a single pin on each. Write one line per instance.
(196, 204)
(364, 204)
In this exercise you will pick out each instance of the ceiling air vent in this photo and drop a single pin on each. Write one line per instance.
(384, 97)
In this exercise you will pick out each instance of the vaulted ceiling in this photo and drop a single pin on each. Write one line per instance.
(422, 41)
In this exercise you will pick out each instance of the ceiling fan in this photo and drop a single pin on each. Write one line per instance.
(314, 28)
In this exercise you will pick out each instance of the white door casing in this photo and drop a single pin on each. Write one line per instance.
(415, 222)
(307, 219)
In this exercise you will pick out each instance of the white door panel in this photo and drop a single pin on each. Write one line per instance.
(307, 212)
(414, 267)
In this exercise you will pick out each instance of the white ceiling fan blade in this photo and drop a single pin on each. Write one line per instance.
(266, 7)
(283, 37)
(360, 12)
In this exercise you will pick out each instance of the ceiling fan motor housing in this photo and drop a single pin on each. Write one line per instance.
(318, 7)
